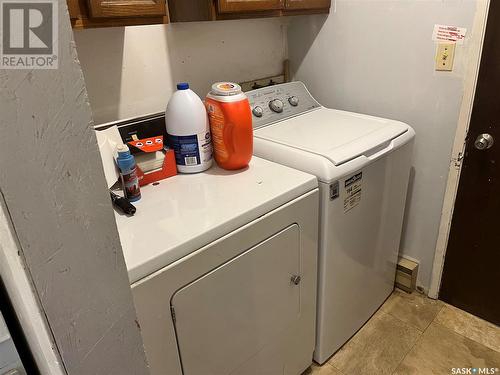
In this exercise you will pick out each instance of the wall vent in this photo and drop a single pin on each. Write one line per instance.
(406, 274)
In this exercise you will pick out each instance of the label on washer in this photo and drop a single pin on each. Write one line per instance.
(334, 190)
(352, 192)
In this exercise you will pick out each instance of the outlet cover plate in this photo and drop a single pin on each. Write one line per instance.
(445, 54)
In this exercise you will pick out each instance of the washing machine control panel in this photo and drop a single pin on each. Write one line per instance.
(279, 102)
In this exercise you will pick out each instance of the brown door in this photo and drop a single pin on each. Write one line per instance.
(307, 4)
(239, 6)
(471, 277)
(130, 8)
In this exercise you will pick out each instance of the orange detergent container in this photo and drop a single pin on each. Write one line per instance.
(231, 125)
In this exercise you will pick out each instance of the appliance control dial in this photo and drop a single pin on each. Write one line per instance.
(293, 100)
(276, 105)
(257, 111)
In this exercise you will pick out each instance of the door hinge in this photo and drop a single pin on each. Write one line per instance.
(172, 312)
(459, 158)
(457, 162)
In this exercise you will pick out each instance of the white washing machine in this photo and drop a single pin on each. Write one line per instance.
(223, 266)
(362, 164)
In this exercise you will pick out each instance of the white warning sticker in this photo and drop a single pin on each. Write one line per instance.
(352, 191)
(445, 33)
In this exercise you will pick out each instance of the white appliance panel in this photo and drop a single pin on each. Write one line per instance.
(359, 249)
(337, 135)
(261, 99)
(229, 315)
(282, 241)
(188, 211)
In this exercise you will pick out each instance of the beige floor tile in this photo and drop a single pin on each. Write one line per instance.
(470, 326)
(440, 349)
(326, 369)
(377, 348)
(415, 308)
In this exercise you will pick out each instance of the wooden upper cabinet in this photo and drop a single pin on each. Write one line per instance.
(126, 8)
(242, 6)
(307, 4)
(74, 8)
(106, 13)
(92, 13)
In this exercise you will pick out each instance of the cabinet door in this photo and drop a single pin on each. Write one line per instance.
(227, 317)
(307, 4)
(74, 9)
(127, 8)
(241, 6)
(191, 10)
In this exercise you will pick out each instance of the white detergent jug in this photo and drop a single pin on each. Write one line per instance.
(188, 131)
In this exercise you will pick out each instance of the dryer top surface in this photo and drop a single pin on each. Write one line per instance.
(186, 212)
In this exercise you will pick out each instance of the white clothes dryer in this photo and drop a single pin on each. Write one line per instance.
(223, 267)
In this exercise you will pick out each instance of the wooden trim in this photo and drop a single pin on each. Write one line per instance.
(308, 4)
(127, 8)
(85, 23)
(263, 14)
(476, 42)
(303, 12)
(237, 6)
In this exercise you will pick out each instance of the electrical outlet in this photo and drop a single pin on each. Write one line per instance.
(445, 55)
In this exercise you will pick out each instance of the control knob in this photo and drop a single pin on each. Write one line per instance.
(293, 100)
(257, 111)
(276, 105)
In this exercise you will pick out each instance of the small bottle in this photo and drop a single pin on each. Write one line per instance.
(188, 130)
(128, 173)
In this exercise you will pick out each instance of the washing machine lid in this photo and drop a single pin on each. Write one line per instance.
(337, 135)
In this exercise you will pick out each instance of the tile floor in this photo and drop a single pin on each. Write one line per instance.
(412, 334)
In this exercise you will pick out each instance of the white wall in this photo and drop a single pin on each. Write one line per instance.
(57, 219)
(377, 57)
(132, 71)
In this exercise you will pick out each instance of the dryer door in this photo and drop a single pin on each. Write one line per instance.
(227, 320)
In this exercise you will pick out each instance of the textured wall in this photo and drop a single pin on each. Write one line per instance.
(53, 184)
(377, 57)
(131, 71)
